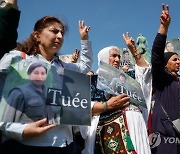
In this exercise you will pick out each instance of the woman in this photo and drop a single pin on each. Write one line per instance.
(143, 73)
(43, 45)
(135, 124)
(169, 47)
(127, 61)
(26, 103)
(166, 84)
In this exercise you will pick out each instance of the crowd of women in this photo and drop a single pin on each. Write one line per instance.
(117, 125)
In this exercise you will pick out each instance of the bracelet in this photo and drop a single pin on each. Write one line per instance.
(137, 55)
(140, 53)
(105, 106)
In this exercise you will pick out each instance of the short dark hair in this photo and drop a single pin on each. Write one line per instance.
(125, 51)
(168, 55)
(35, 65)
(121, 74)
(48, 20)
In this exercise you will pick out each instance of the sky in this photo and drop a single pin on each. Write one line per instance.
(108, 19)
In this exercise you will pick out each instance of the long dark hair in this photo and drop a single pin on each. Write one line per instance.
(31, 45)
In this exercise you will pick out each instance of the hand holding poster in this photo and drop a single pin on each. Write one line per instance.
(35, 90)
(115, 81)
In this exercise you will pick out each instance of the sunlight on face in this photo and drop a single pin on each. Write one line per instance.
(173, 64)
(126, 56)
(170, 47)
(122, 78)
(114, 58)
(51, 39)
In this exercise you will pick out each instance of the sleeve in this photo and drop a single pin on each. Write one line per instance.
(144, 77)
(5, 61)
(9, 18)
(12, 130)
(89, 133)
(86, 59)
(157, 58)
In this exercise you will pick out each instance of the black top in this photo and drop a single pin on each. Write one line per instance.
(9, 20)
(166, 93)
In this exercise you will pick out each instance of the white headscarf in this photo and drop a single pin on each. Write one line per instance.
(103, 55)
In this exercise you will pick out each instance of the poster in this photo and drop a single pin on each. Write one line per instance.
(34, 90)
(114, 81)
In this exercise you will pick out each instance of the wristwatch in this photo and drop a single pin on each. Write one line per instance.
(5, 3)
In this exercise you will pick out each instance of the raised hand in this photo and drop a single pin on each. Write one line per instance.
(36, 128)
(83, 30)
(135, 52)
(165, 18)
(130, 43)
(75, 56)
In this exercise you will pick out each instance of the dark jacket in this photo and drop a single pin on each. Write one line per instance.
(25, 104)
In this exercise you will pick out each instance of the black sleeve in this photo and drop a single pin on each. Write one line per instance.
(157, 58)
(9, 20)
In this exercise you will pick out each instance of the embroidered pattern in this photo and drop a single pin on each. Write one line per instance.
(112, 134)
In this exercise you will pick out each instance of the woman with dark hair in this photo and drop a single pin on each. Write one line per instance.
(166, 86)
(26, 103)
(43, 45)
(169, 47)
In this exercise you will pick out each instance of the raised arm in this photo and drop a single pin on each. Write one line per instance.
(9, 20)
(142, 72)
(157, 58)
(140, 61)
(165, 20)
(75, 56)
(83, 30)
(86, 55)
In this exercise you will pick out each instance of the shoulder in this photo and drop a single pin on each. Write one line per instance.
(16, 92)
(5, 61)
(21, 89)
(25, 86)
(12, 53)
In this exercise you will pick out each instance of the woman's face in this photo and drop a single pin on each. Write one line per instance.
(114, 58)
(51, 38)
(126, 56)
(170, 47)
(173, 64)
(122, 78)
(38, 76)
